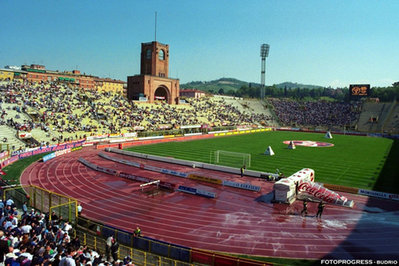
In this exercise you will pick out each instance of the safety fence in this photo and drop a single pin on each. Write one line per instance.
(43, 200)
(147, 251)
(138, 257)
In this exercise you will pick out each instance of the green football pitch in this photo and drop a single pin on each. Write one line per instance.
(354, 161)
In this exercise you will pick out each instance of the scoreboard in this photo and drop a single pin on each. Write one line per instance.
(359, 90)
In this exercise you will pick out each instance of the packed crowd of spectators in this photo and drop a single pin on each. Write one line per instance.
(15, 122)
(314, 114)
(32, 238)
(74, 113)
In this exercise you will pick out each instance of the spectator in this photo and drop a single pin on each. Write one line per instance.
(10, 202)
(3, 247)
(68, 260)
(67, 227)
(80, 208)
(54, 217)
(137, 232)
(25, 208)
(114, 250)
(108, 247)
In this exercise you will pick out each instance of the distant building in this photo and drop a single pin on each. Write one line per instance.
(12, 73)
(154, 83)
(6, 74)
(38, 67)
(38, 73)
(107, 84)
(192, 93)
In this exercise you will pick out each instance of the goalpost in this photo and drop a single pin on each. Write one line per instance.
(229, 158)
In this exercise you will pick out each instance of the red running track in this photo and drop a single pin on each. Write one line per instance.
(237, 221)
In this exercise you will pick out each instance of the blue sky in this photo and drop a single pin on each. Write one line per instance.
(329, 43)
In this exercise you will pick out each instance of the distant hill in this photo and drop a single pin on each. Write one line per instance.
(228, 84)
(292, 85)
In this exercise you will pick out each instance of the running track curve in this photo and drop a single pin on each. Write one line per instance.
(237, 221)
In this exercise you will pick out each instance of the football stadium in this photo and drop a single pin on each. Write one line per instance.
(212, 191)
(148, 171)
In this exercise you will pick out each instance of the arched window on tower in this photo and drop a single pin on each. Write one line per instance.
(161, 55)
(148, 54)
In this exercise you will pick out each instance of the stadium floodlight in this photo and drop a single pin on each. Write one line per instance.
(264, 52)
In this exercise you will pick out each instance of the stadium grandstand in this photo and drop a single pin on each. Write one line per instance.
(53, 112)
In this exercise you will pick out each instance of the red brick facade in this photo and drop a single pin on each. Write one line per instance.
(153, 81)
(38, 73)
(155, 59)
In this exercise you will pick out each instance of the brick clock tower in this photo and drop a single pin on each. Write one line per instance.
(154, 82)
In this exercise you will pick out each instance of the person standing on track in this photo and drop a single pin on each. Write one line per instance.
(320, 209)
(242, 169)
(305, 208)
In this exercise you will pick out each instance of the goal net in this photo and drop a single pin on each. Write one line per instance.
(229, 158)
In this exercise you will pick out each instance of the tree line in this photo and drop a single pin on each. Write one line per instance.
(385, 94)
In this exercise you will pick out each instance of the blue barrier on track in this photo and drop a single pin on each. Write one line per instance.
(206, 194)
(179, 253)
(48, 157)
(124, 238)
(160, 249)
(196, 191)
(166, 249)
(141, 243)
(187, 189)
(106, 231)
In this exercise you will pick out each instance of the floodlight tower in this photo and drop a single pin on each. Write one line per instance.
(264, 52)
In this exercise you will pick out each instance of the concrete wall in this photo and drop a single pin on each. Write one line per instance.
(190, 163)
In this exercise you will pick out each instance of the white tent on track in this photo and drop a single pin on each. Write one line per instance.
(328, 135)
(269, 151)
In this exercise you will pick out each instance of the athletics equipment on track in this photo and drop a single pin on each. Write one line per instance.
(149, 185)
